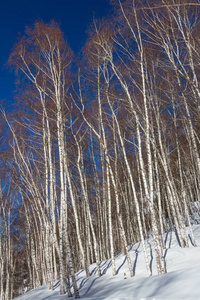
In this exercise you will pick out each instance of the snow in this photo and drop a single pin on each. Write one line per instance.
(182, 280)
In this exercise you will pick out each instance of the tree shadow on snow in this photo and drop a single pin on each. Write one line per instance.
(160, 286)
(89, 288)
(136, 258)
(103, 263)
(84, 280)
(151, 261)
(77, 274)
(94, 271)
(154, 286)
(191, 240)
(106, 268)
(121, 265)
(177, 237)
(169, 233)
(56, 284)
(130, 247)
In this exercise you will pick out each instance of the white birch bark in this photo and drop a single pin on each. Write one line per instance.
(133, 189)
(77, 222)
(69, 259)
(85, 195)
(108, 173)
(182, 186)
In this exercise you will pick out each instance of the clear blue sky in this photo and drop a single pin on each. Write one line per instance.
(74, 17)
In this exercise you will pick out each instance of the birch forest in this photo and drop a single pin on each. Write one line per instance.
(102, 150)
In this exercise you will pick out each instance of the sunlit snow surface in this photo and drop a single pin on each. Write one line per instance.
(182, 280)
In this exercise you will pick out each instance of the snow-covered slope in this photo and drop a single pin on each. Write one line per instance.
(182, 280)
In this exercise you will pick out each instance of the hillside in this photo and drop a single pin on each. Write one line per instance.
(180, 282)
